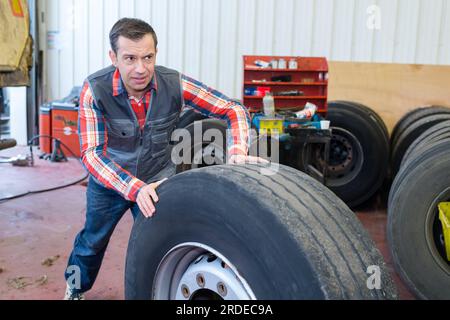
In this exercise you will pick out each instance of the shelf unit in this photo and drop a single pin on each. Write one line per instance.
(310, 78)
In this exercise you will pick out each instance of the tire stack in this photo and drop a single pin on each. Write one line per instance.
(420, 165)
(410, 127)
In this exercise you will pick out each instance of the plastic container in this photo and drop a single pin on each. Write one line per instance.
(321, 78)
(250, 91)
(444, 216)
(325, 124)
(261, 91)
(269, 105)
(308, 112)
(293, 64)
(270, 126)
(274, 64)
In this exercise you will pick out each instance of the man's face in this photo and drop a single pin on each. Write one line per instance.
(136, 62)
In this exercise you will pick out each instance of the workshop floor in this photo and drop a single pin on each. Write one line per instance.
(37, 233)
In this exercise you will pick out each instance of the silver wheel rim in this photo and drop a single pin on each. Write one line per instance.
(194, 271)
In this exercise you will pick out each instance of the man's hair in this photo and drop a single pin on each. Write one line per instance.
(133, 29)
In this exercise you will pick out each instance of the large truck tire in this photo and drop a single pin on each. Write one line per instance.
(372, 113)
(410, 134)
(412, 116)
(415, 234)
(230, 232)
(359, 153)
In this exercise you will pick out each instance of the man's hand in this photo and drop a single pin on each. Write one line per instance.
(147, 197)
(240, 159)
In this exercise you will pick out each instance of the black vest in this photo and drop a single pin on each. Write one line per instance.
(143, 153)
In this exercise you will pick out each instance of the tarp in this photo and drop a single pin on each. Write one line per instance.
(15, 43)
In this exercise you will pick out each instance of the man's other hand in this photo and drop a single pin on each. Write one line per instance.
(240, 159)
(147, 197)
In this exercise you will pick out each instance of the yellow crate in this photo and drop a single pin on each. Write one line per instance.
(267, 126)
(444, 216)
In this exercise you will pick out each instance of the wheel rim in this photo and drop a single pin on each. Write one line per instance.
(345, 160)
(194, 271)
(434, 233)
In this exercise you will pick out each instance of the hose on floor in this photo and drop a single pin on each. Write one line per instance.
(30, 144)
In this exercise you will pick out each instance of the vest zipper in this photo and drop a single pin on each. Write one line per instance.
(140, 131)
(143, 129)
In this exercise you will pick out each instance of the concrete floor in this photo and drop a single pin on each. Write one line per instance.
(37, 233)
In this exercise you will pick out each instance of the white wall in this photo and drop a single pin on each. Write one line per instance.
(18, 114)
(207, 38)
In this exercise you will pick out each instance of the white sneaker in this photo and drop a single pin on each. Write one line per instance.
(70, 295)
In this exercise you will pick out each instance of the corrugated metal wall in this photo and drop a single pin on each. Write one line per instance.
(207, 38)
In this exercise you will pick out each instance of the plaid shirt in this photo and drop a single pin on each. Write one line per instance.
(94, 139)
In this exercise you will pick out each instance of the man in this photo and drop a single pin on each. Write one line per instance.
(127, 113)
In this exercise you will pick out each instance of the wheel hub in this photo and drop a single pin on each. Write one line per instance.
(207, 278)
(194, 271)
(341, 153)
(345, 160)
(434, 232)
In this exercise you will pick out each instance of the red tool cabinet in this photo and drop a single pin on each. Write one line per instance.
(310, 79)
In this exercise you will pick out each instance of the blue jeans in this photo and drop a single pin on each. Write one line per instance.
(105, 208)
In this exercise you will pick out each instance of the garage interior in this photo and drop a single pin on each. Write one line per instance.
(392, 57)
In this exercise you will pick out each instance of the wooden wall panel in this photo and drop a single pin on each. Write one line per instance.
(390, 89)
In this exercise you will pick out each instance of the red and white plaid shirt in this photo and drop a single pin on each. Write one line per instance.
(94, 139)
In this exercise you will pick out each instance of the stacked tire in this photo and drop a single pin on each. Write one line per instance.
(421, 164)
(410, 127)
